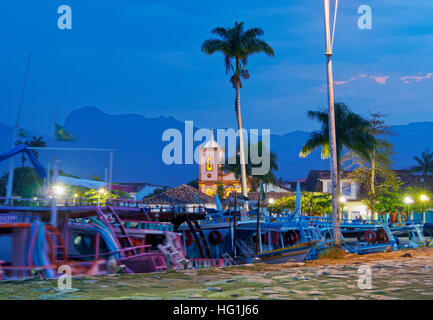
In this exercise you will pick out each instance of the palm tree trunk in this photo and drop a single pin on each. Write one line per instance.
(23, 159)
(336, 218)
(241, 143)
(372, 181)
(332, 132)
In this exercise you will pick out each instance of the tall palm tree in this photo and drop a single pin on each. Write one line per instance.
(254, 180)
(38, 143)
(23, 157)
(237, 45)
(425, 164)
(353, 132)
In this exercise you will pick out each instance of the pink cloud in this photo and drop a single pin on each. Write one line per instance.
(380, 80)
(410, 79)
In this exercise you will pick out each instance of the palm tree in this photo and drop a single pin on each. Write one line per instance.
(425, 164)
(23, 157)
(353, 132)
(37, 143)
(237, 45)
(254, 180)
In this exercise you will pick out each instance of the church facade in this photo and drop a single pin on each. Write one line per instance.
(211, 174)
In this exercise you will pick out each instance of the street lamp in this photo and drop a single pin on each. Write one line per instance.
(59, 190)
(271, 200)
(343, 200)
(408, 201)
(101, 191)
(423, 199)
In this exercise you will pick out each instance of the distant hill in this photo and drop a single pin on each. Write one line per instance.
(138, 146)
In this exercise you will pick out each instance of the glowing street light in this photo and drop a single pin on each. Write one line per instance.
(408, 200)
(271, 200)
(101, 191)
(424, 198)
(343, 200)
(59, 190)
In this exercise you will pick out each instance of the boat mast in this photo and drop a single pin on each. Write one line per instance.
(332, 132)
(9, 186)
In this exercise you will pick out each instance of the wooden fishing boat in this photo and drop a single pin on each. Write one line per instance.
(296, 253)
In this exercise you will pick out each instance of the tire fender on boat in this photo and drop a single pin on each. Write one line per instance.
(370, 236)
(188, 238)
(215, 237)
(382, 237)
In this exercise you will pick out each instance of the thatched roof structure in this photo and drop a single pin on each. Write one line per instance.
(183, 194)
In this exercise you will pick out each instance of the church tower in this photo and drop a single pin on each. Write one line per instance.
(210, 173)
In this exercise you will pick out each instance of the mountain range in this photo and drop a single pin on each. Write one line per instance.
(138, 145)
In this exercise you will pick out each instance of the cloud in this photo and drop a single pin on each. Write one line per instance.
(410, 79)
(377, 79)
(380, 80)
(339, 83)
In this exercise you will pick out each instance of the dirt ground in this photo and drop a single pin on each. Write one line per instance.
(404, 274)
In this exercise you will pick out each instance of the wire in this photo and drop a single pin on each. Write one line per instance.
(333, 26)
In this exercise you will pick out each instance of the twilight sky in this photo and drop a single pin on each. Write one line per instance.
(143, 56)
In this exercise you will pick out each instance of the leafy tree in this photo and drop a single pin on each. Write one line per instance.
(220, 191)
(313, 203)
(375, 176)
(27, 183)
(237, 45)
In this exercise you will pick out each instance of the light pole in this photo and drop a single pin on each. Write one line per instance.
(101, 191)
(423, 199)
(408, 201)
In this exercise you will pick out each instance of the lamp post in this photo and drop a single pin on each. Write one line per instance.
(423, 199)
(101, 191)
(408, 201)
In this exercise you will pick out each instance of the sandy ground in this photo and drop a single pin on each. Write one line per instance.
(402, 274)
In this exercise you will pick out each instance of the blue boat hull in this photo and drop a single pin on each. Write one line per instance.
(296, 253)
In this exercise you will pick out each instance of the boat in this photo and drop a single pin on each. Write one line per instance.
(285, 235)
(85, 238)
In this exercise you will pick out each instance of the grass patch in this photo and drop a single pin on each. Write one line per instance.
(333, 253)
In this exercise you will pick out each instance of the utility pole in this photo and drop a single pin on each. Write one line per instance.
(258, 235)
(332, 132)
(234, 224)
(9, 186)
(54, 212)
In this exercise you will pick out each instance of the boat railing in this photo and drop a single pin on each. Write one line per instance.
(148, 225)
(96, 255)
